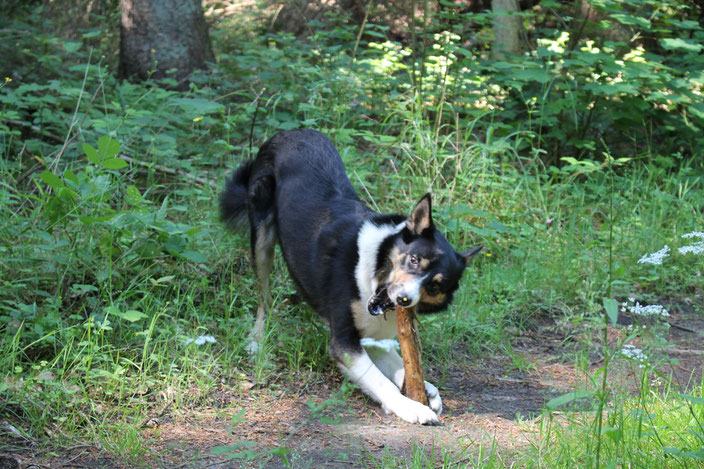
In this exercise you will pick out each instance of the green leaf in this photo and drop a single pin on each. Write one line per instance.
(52, 179)
(611, 307)
(83, 288)
(501, 228)
(631, 20)
(611, 432)
(531, 74)
(697, 109)
(696, 455)
(66, 193)
(132, 195)
(132, 315)
(90, 220)
(586, 164)
(238, 450)
(197, 105)
(679, 43)
(114, 163)
(175, 244)
(693, 399)
(71, 176)
(72, 46)
(611, 89)
(685, 24)
(486, 232)
(91, 153)
(194, 256)
(559, 401)
(162, 280)
(108, 147)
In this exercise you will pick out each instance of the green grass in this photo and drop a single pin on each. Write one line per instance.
(106, 271)
(653, 429)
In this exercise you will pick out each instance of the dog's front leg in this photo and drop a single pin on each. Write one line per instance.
(362, 371)
(390, 364)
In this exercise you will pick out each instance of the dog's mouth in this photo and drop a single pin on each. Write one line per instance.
(380, 303)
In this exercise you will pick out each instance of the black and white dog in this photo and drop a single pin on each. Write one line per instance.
(351, 264)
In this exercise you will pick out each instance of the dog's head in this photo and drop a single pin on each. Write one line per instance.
(423, 270)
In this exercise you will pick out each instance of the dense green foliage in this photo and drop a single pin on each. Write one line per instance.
(569, 162)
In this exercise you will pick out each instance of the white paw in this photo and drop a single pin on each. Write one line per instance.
(253, 349)
(434, 401)
(413, 412)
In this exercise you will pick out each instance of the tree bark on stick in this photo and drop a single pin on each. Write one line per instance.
(413, 383)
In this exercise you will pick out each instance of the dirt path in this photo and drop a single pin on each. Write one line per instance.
(489, 402)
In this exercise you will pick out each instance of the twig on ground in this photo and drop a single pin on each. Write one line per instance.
(682, 328)
(680, 351)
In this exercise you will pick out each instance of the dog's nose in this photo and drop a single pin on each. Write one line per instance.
(403, 300)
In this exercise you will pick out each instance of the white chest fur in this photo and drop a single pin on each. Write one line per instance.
(375, 327)
(368, 243)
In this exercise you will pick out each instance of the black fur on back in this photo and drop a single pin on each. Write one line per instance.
(234, 199)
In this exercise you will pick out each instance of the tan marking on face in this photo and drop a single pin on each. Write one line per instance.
(437, 299)
(438, 278)
(399, 260)
(400, 277)
(396, 256)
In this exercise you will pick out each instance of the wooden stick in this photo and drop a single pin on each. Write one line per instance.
(413, 383)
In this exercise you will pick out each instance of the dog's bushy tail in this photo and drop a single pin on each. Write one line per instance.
(233, 200)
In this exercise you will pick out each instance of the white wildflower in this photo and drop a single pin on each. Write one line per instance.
(655, 258)
(643, 310)
(201, 339)
(632, 353)
(696, 248)
(694, 234)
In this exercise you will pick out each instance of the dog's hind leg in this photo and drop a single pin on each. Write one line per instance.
(263, 239)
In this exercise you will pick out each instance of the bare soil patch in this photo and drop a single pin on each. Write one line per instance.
(492, 401)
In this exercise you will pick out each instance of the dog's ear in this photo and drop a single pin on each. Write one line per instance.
(467, 255)
(421, 218)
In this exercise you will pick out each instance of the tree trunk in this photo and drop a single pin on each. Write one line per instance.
(507, 28)
(157, 36)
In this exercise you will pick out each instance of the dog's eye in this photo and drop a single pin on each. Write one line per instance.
(414, 260)
(432, 288)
